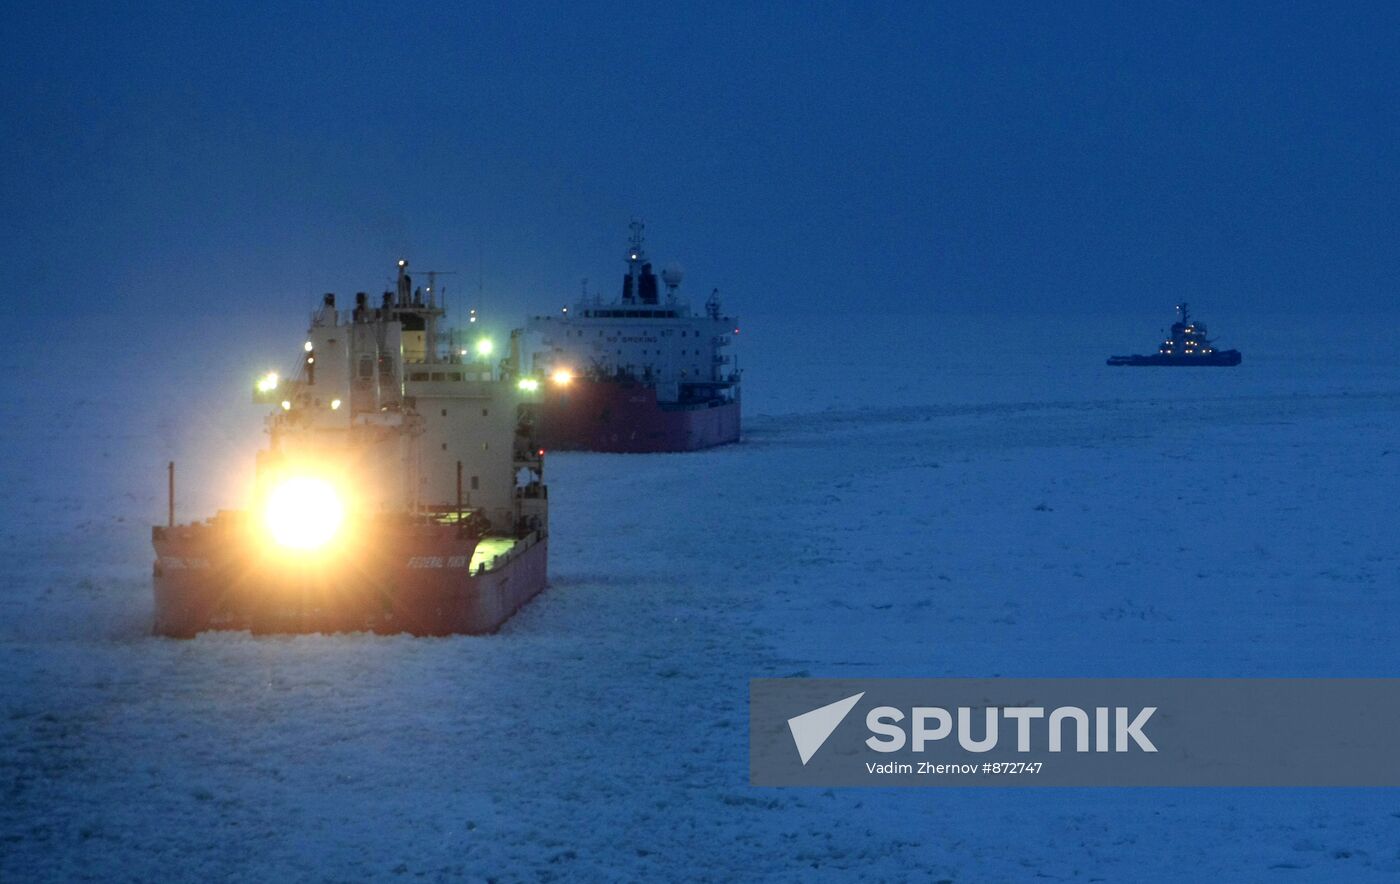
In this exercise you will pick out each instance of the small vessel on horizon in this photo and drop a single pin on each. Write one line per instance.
(1188, 345)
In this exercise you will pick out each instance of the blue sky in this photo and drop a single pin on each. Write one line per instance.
(972, 157)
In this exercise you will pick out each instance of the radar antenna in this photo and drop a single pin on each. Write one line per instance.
(432, 291)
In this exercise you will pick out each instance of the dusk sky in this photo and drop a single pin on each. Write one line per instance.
(979, 157)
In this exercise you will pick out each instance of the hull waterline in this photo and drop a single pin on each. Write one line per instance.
(427, 585)
(625, 417)
(1221, 359)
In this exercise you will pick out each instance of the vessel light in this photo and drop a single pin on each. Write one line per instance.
(529, 385)
(484, 347)
(303, 513)
(286, 405)
(562, 376)
(307, 347)
(268, 382)
(335, 404)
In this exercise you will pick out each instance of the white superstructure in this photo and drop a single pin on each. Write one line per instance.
(645, 335)
(380, 393)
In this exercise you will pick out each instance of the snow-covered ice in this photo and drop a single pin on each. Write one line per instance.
(914, 497)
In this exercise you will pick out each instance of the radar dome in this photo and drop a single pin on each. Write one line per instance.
(672, 275)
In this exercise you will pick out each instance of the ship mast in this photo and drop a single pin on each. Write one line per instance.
(631, 283)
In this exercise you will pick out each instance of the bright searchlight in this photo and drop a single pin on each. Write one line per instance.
(303, 513)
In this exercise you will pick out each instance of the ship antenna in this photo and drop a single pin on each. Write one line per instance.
(631, 284)
(433, 286)
(402, 286)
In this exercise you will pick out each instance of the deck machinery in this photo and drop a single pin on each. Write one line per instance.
(401, 490)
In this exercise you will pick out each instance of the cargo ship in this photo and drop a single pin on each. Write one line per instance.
(1187, 345)
(401, 489)
(640, 373)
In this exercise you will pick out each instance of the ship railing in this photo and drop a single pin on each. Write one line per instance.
(515, 550)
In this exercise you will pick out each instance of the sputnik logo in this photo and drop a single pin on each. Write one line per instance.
(811, 729)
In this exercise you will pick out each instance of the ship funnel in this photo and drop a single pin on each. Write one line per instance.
(647, 285)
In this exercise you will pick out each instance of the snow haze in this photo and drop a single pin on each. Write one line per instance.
(961, 497)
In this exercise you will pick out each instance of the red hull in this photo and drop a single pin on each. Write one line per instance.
(420, 583)
(617, 416)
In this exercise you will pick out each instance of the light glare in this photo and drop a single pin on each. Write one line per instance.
(303, 513)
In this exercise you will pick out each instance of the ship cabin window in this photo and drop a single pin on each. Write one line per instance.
(444, 446)
(418, 376)
(476, 483)
(366, 367)
(444, 412)
(439, 376)
(454, 375)
(485, 412)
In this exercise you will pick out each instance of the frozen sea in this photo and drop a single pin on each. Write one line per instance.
(915, 495)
